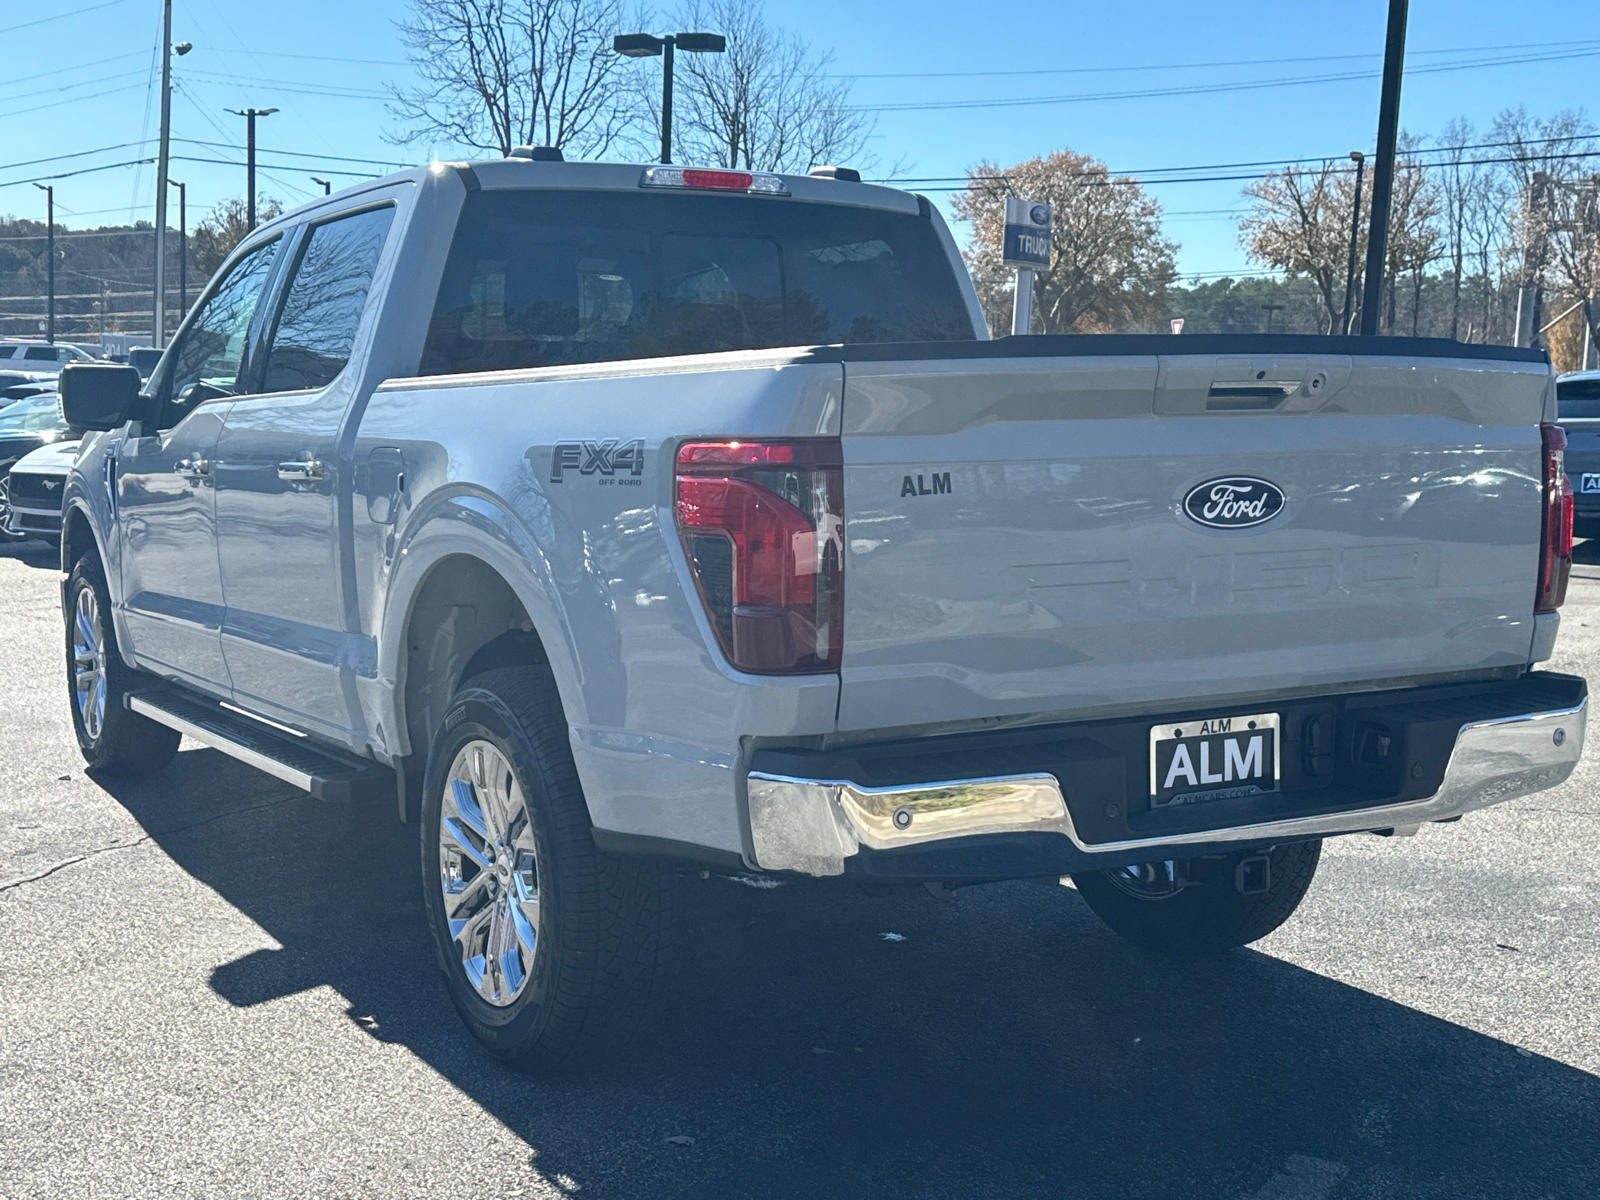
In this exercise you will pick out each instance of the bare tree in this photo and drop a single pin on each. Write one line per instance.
(1545, 156)
(1300, 223)
(1575, 248)
(503, 73)
(1109, 265)
(1415, 239)
(1460, 178)
(767, 104)
(215, 237)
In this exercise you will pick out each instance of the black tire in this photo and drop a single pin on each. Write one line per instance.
(113, 740)
(1210, 914)
(600, 921)
(5, 506)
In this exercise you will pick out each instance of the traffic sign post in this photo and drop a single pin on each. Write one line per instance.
(1026, 247)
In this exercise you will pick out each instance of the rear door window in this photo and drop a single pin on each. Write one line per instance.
(41, 353)
(322, 308)
(543, 278)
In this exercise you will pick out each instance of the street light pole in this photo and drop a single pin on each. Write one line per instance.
(647, 45)
(183, 247)
(50, 254)
(250, 115)
(1355, 233)
(327, 187)
(1394, 57)
(666, 98)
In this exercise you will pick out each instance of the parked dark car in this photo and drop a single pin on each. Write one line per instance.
(25, 426)
(144, 359)
(1578, 409)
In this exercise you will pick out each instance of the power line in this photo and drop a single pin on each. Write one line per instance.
(34, 162)
(1213, 88)
(17, 112)
(334, 58)
(1238, 62)
(375, 162)
(300, 87)
(99, 62)
(77, 12)
(132, 162)
(260, 166)
(1123, 178)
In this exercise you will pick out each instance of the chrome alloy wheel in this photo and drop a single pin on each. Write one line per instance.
(489, 873)
(89, 663)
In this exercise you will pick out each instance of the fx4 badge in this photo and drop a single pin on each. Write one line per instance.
(605, 458)
(918, 486)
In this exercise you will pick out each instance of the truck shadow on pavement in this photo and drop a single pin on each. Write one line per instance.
(1007, 1046)
(33, 552)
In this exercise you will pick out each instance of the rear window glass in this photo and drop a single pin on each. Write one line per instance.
(1578, 398)
(544, 278)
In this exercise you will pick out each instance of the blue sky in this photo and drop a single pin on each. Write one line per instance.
(79, 78)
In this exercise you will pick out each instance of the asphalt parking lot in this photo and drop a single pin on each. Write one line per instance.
(212, 985)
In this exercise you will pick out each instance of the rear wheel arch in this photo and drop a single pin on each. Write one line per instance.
(465, 618)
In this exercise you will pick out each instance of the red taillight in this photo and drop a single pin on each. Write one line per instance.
(763, 525)
(1555, 534)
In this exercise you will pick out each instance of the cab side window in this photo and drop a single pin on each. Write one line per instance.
(322, 308)
(210, 358)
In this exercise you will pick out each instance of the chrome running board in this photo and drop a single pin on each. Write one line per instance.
(326, 773)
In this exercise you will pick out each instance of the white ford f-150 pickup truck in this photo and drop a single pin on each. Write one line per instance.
(614, 518)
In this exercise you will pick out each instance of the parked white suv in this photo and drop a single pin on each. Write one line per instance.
(41, 357)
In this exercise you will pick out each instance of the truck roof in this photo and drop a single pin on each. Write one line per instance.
(528, 173)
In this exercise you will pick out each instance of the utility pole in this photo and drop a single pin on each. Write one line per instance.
(1394, 57)
(160, 322)
(50, 255)
(183, 248)
(1355, 233)
(250, 115)
(1530, 297)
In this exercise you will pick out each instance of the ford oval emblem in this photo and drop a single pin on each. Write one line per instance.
(1040, 213)
(1233, 502)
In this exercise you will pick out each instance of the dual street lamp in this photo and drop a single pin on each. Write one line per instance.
(647, 45)
(250, 114)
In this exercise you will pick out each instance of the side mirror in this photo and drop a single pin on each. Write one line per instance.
(99, 395)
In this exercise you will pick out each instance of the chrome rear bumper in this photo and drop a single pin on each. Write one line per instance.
(813, 825)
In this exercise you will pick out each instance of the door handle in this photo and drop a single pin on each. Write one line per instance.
(304, 471)
(194, 468)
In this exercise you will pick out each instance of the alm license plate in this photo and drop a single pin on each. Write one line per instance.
(1217, 758)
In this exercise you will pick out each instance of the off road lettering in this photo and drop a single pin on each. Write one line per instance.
(588, 458)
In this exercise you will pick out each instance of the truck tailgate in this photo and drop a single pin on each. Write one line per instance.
(1018, 541)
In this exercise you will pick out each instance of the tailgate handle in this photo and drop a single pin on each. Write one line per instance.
(1225, 396)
